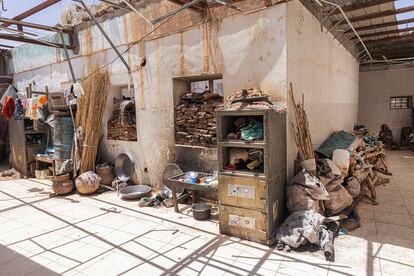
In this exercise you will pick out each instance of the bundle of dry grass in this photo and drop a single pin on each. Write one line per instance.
(90, 115)
(300, 128)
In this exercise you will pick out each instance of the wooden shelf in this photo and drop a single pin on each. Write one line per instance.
(242, 144)
(194, 147)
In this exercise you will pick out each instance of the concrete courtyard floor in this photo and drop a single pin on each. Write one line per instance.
(103, 235)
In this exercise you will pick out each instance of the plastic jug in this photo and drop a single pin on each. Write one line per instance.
(341, 159)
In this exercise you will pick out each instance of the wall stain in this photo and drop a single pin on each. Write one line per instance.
(206, 67)
(182, 64)
(88, 42)
(300, 22)
(216, 52)
(141, 89)
(125, 26)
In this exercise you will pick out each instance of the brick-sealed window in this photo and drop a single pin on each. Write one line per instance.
(402, 102)
(214, 85)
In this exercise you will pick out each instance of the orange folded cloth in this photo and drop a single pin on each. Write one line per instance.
(42, 100)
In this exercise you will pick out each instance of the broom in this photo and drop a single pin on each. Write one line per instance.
(90, 116)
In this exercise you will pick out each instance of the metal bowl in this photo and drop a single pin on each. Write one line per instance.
(123, 167)
(135, 191)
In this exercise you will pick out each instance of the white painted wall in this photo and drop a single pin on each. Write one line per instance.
(324, 72)
(264, 48)
(376, 88)
(249, 50)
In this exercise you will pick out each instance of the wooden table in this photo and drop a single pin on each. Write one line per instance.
(175, 182)
(42, 159)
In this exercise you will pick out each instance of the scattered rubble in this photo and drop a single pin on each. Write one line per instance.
(11, 174)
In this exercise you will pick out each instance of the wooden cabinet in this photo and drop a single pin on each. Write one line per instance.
(249, 224)
(22, 132)
(252, 201)
(242, 191)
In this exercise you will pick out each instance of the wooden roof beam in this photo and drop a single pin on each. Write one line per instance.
(20, 38)
(377, 15)
(267, 3)
(197, 8)
(394, 55)
(383, 25)
(390, 38)
(404, 44)
(6, 46)
(359, 6)
(33, 10)
(398, 31)
(33, 25)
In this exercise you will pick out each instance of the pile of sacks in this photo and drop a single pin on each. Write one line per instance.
(317, 205)
(321, 201)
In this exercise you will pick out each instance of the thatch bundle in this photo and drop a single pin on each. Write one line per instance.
(90, 115)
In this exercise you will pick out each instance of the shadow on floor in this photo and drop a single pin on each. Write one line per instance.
(204, 256)
(12, 263)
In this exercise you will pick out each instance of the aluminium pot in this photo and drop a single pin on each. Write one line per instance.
(201, 211)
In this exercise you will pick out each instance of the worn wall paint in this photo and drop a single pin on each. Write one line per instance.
(249, 50)
(376, 88)
(263, 48)
(324, 72)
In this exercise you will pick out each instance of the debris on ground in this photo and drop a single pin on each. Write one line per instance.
(253, 99)
(147, 202)
(324, 199)
(300, 228)
(162, 198)
(387, 137)
(10, 175)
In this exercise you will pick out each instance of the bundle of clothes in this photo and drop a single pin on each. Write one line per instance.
(322, 203)
(12, 104)
(245, 159)
(247, 129)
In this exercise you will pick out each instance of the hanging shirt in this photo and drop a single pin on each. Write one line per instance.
(8, 107)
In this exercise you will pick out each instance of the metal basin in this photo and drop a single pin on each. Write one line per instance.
(135, 192)
(123, 167)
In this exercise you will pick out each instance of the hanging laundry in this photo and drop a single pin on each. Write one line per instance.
(19, 111)
(8, 107)
(25, 103)
(42, 100)
(10, 92)
(32, 111)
